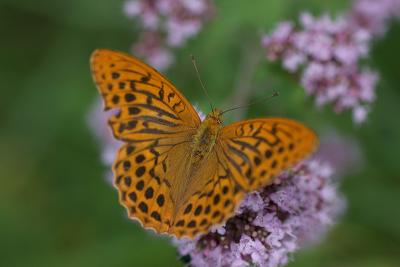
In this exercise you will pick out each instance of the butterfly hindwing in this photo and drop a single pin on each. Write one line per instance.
(140, 176)
(256, 150)
(212, 205)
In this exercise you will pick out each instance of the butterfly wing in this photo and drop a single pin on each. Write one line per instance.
(149, 105)
(213, 204)
(154, 120)
(248, 155)
(256, 150)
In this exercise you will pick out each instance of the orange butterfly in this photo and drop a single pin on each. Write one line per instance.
(175, 173)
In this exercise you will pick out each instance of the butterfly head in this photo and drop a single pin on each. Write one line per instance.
(215, 116)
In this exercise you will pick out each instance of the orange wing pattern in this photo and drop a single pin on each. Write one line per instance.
(149, 105)
(256, 150)
(211, 205)
(248, 154)
(153, 119)
(141, 177)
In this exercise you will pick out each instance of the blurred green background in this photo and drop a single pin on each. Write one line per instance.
(56, 208)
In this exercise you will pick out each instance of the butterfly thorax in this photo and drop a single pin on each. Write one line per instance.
(206, 136)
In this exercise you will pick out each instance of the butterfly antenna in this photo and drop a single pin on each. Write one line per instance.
(274, 94)
(201, 82)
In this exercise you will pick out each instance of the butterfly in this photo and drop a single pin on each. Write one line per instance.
(178, 174)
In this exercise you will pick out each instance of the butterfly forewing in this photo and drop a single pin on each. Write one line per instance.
(148, 105)
(256, 150)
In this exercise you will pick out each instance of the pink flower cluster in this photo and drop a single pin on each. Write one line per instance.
(374, 15)
(327, 52)
(166, 24)
(273, 222)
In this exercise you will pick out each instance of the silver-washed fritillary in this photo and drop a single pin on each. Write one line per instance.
(175, 173)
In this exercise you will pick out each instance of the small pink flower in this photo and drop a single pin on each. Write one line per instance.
(180, 31)
(145, 10)
(293, 60)
(150, 47)
(277, 42)
(360, 114)
(343, 153)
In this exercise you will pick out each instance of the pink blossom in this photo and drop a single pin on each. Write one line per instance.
(145, 10)
(292, 60)
(150, 46)
(360, 114)
(166, 24)
(326, 53)
(374, 16)
(180, 31)
(273, 222)
(342, 152)
(277, 42)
